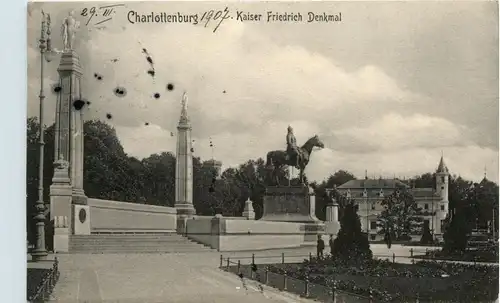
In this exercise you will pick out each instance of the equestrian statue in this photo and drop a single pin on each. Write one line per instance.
(293, 156)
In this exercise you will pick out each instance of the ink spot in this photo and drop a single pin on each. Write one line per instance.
(109, 116)
(156, 95)
(150, 60)
(192, 150)
(97, 76)
(78, 104)
(171, 134)
(151, 72)
(240, 275)
(88, 102)
(120, 91)
(56, 88)
(147, 123)
(170, 87)
(114, 60)
(223, 91)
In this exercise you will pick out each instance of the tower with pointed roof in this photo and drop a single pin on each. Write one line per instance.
(184, 168)
(442, 180)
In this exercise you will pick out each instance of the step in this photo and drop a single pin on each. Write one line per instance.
(133, 231)
(130, 241)
(137, 248)
(136, 252)
(138, 244)
(128, 237)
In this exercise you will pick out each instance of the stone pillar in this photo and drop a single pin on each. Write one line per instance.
(332, 224)
(218, 228)
(248, 212)
(184, 168)
(69, 122)
(60, 205)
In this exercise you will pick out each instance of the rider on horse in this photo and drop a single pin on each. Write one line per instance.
(291, 147)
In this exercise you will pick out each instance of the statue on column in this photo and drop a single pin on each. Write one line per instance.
(68, 29)
(294, 156)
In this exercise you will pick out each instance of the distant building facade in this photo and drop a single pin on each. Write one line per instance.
(369, 193)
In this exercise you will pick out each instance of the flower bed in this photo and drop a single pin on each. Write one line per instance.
(426, 280)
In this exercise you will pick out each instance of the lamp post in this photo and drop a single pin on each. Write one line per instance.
(46, 53)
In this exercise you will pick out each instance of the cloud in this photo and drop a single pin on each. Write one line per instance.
(394, 132)
(244, 89)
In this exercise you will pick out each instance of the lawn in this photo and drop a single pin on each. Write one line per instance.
(393, 282)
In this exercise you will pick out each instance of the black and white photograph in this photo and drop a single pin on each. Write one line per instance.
(222, 152)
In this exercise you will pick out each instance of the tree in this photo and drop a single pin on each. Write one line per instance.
(455, 234)
(401, 216)
(426, 235)
(351, 245)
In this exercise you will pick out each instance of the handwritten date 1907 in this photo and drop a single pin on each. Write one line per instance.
(216, 16)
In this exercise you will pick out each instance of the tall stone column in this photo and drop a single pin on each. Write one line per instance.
(69, 122)
(184, 169)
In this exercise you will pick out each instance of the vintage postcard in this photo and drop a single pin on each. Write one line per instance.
(262, 151)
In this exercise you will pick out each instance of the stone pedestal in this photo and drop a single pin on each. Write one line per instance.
(290, 204)
(81, 219)
(60, 205)
(332, 224)
(248, 212)
(182, 224)
(61, 234)
(293, 204)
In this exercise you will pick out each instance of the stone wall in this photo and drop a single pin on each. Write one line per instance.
(239, 234)
(199, 229)
(111, 216)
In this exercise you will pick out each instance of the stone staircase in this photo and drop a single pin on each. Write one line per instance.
(127, 243)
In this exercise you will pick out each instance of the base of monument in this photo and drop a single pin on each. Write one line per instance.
(184, 212)
(78, 197)
(290, 204)
(185, 209)
(332, 228)
(312, 230)
(81, 220)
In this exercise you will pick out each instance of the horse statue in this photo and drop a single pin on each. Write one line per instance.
(278, 158)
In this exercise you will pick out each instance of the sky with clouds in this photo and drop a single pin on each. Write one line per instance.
(388, 89)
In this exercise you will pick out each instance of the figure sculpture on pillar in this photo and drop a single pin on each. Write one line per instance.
(68, 29)
(293, 156)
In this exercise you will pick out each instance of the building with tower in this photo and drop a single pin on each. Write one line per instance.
(369, 193)
(213, 164)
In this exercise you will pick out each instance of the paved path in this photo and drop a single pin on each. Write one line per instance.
(169, 278)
